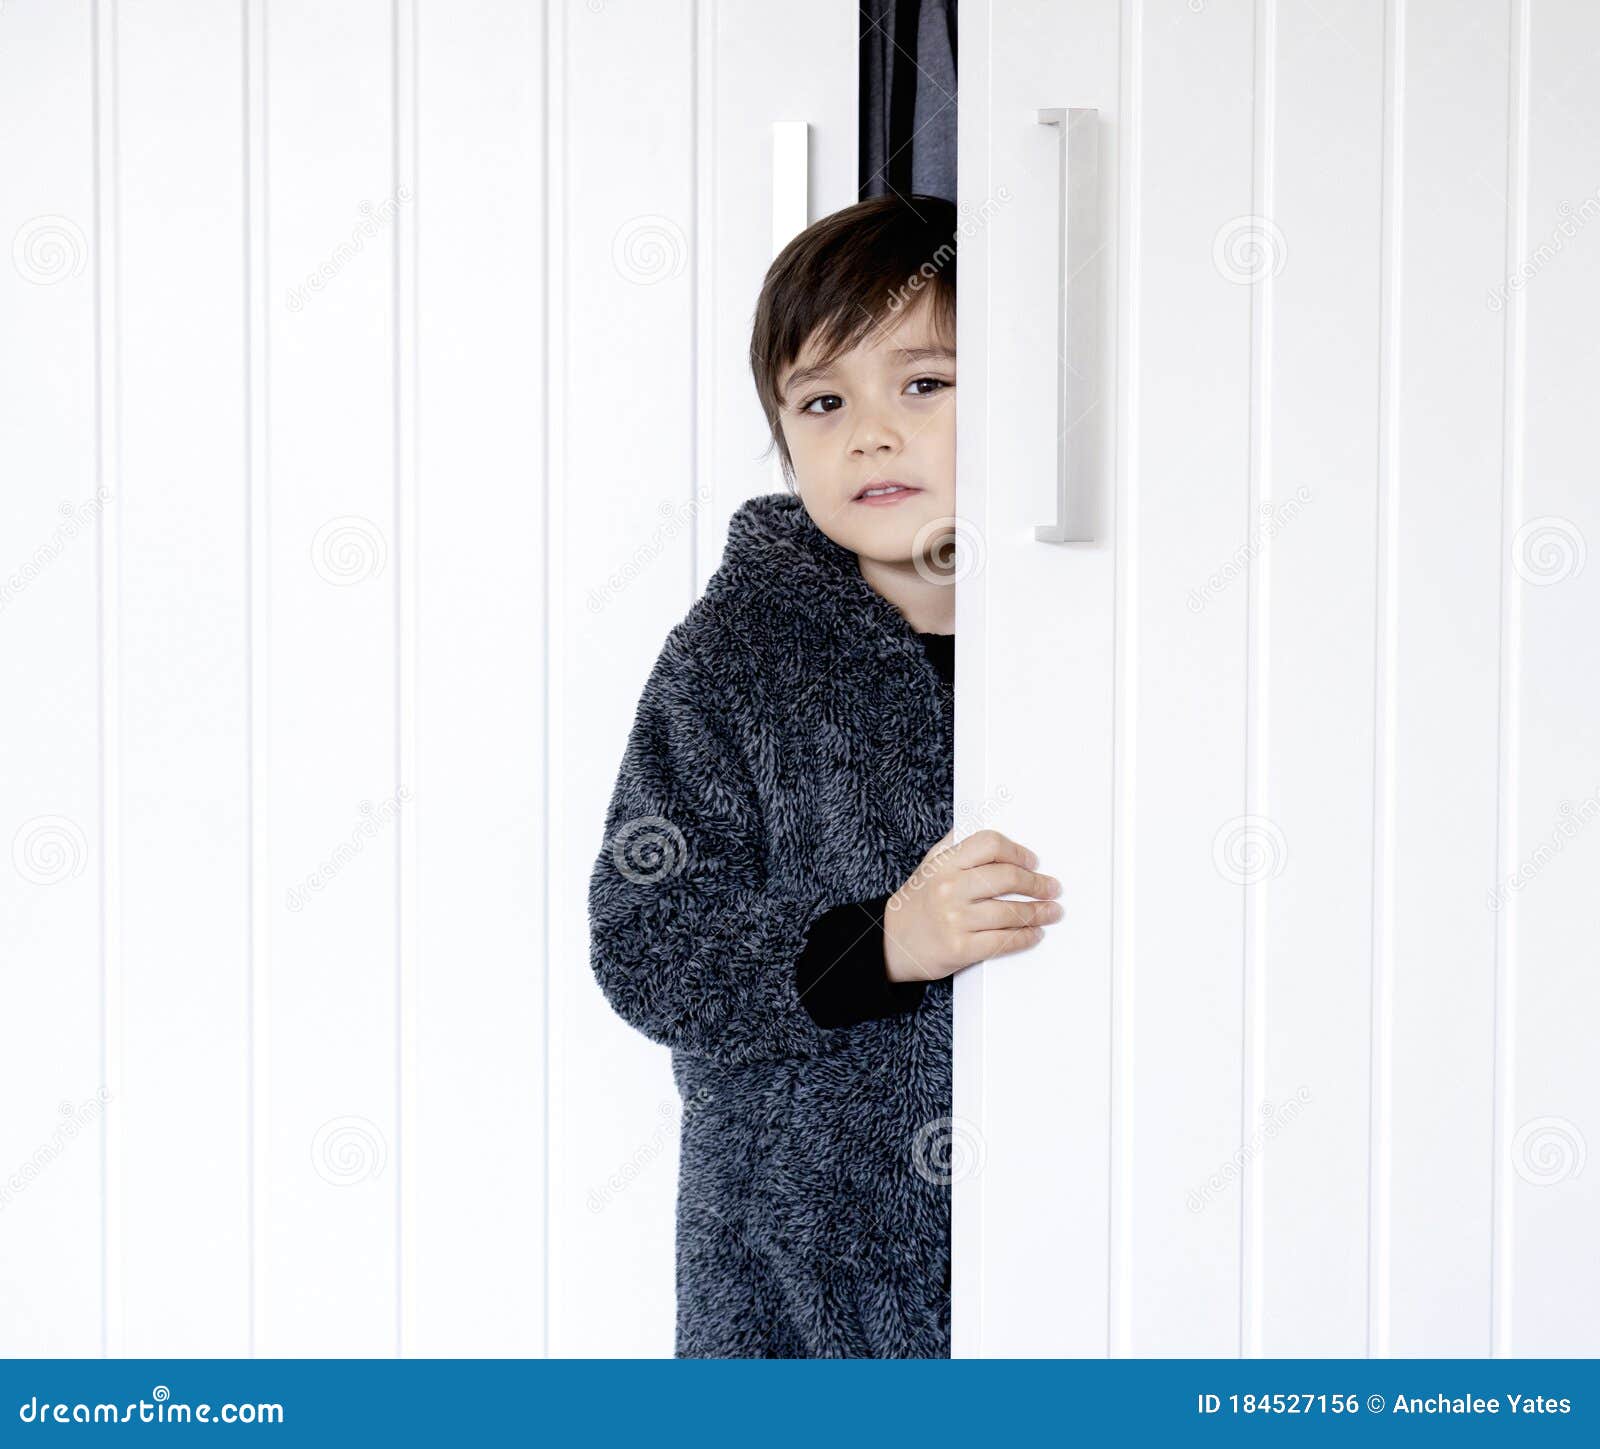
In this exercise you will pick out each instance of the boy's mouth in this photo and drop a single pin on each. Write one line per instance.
(884, 492)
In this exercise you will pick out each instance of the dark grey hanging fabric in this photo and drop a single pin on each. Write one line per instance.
(908, 98)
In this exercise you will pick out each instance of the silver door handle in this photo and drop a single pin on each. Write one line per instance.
(1077, 325)
(791, 181)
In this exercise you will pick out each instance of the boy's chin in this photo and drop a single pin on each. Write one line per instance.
(903, 542)
(897, 535)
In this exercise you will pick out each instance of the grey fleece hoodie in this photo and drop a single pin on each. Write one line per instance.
(791, 753)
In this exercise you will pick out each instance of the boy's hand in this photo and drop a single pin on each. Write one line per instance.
(946, 916)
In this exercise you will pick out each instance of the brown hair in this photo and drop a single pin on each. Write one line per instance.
(858, 268)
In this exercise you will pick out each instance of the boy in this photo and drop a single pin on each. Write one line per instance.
(778, 898)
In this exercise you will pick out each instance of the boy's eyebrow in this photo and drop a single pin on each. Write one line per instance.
(923, 354)
(806, 375)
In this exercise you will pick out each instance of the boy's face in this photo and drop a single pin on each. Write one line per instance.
(882, 414)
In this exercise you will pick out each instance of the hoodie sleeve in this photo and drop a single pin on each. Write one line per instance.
(841, 974)
(689, 940)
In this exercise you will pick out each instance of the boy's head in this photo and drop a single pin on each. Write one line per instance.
(853, 352)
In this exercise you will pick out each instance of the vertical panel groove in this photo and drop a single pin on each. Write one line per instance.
(258, 589)
(1509, 731)
(702, 283)
(406, 589)
(1125, 687)
(1380, 1106)
(1257, 753)
(108, 573)
(554, 510)
(975, 169)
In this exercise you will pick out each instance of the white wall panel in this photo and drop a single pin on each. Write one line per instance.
(1311, 529)
(1185, 746)
(408, 342)
(474, 1220)
(1436, 780)
(1547, 1271)
(57, 221)
(181, 1220)
(330, 1114)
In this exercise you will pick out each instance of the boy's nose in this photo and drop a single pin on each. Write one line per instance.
(874, 437)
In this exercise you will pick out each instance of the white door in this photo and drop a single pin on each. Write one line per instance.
(1309, 722)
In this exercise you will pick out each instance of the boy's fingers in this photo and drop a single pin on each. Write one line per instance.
(1005, 915)
(1001, 879)
(984, 846)
(989, 944)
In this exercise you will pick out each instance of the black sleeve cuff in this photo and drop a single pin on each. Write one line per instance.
(840, 973)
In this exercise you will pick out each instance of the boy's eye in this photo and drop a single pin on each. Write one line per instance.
(830, 402)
